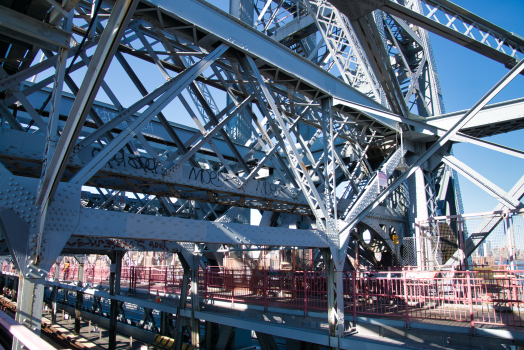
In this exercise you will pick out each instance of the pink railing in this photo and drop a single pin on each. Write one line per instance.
(8, 267)
(489, 296)
(478, 297)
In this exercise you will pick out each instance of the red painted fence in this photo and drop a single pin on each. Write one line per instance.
(478, 297)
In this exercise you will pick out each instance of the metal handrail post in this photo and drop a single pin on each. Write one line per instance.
(305, 293)
(265, 289)
(470, 300)
(406, 303)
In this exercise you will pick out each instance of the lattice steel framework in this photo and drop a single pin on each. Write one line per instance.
(169, 121)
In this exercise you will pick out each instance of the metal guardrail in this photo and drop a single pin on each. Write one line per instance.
(30, 340)
(487, 295)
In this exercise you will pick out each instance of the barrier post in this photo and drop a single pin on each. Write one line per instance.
(305, 293)
(135, 277)
(265, 289)
(207, 281)
(515, 296)
(165, 278)
(404, 280)
(149, 282)
(470, 300)
(232, 287)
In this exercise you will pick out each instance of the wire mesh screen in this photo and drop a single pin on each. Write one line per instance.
(490, 250)
(489, 239)
(505, 242)
(408, 251)
(437, 240)
(422, 251)
(448, 240)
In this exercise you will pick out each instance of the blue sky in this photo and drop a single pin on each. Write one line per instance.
(465, 77)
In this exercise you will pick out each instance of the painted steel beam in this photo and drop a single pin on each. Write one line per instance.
(451, 33)
(20, 215)
(176, 86)
(490, 121)
(10, 118)
(422, 128)
(433, 149)
(367, 32)
(133, 226)
(254, 43)
(344, 48)
(94, 245)
(295, 27)
(115, 29)
(479, 180)
(310, 336)
(24, 28)
(67, 217)
(154, 131)
(21, 145)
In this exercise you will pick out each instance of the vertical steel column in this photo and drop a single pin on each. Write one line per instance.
(357, 254)
(339, 310)
(163, 323)
(57, 269)
(182, 303)
(29, 306)
(114, 289)
(332, 279)
(509, 240)
(266, 285)
(462, 240)
(419, 209)
(54, 296)
(354, 279)
(79, 297)
(195, 306)
(149, 281)
(418, 243)
(166, 324)
(118, 271)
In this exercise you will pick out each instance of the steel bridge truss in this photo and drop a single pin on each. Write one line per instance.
(310, 130)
